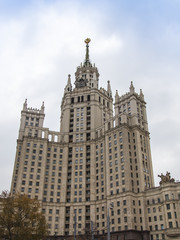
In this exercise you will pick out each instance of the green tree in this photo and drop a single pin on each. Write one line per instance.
(21, 218)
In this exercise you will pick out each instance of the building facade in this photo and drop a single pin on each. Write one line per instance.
(98, 165)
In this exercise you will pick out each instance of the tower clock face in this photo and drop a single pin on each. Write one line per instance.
(81, 83)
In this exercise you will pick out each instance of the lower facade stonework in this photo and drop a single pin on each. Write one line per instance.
(122, 235)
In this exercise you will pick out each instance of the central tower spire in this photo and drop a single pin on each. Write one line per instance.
(87, 74)
(87, 41)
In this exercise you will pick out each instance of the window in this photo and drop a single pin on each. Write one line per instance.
(23, 182)
(168, 206)
(170, 225)
(169, 215)
(166, 196)
(157, 236)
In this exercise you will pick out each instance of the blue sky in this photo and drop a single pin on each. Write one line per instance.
(41, 42)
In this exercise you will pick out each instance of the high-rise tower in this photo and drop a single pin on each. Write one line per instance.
(96, 159)
(88, 97)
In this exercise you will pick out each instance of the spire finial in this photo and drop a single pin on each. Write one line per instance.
(69, 79)
(42, 108)
(68, 87)
(141, 94)
(109, 89)
(132, 87)
(25, 104)
(87, 41)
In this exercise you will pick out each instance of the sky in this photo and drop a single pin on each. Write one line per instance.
(42, 41)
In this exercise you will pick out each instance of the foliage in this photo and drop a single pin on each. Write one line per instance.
(87, 234)
(20, 218)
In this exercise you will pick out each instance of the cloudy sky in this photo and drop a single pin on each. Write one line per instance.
(42, 41)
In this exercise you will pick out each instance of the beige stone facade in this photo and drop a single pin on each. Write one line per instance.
(97, 158)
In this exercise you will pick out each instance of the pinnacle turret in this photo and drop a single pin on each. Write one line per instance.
(42, 108)
(141, 94)
(68, 87)
(131, 87)
(25, 104)
(109, 89)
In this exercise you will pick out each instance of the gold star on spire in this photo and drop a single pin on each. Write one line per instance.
(87, 40)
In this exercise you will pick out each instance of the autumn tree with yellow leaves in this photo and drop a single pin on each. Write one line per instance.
(21, 218)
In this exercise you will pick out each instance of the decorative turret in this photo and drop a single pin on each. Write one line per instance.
(131, 88)
(25, 104)
(116, 96)
(87, 75)
(42, 108)
(141, 94)
(109, 89)
(31, 118)
(68, 87)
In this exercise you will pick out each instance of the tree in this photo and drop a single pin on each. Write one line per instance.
(21, 218)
